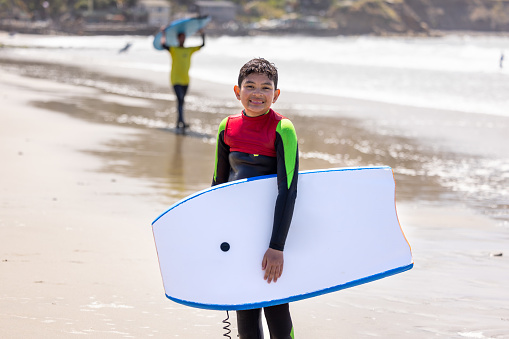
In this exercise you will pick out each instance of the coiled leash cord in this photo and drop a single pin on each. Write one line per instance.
(227, 326)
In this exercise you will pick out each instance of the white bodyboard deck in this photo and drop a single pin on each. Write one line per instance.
(345, 232)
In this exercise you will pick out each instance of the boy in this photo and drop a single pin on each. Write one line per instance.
(179, 76)
(257, 142)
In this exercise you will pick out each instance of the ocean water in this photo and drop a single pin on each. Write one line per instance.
(459, 73)
(453, 142)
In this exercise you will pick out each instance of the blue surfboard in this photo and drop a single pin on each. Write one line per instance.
(344, 232)
(188, 26)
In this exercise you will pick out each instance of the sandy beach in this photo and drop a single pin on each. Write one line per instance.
(84, 174)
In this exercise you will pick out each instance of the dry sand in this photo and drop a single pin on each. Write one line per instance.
(78, 259)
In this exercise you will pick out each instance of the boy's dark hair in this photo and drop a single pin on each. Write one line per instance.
(259, 66)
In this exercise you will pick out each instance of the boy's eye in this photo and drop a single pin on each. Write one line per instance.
(251, 87)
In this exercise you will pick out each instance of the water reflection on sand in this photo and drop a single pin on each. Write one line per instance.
(428, 163)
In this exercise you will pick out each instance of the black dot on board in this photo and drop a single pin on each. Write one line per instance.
(225, 247)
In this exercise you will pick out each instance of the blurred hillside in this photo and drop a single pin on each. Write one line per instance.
(420, 16)
(318, 17)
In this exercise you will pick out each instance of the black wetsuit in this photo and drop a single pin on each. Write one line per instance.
(254, 146)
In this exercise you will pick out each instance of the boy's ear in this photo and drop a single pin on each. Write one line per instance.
(236, 89)
(276, 95)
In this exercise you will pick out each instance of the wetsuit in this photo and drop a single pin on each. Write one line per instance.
(179, 76)
(254, 146)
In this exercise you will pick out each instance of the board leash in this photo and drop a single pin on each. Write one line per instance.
(227, 325)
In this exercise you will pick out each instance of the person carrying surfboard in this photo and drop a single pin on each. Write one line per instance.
(179, 75)
(259, 141)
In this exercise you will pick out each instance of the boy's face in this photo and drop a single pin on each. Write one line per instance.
(257, 94)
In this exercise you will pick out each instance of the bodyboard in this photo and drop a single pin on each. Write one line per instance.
(344, 232)
(188, 26)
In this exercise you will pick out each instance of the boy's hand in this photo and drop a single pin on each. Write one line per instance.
(272, 264)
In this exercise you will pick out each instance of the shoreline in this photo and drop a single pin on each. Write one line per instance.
(79, 258)
(81, 28)
(427, 148)
(387, 126)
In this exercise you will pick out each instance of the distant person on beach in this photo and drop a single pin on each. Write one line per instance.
(502, 60)
(259, 141)
(179, 76)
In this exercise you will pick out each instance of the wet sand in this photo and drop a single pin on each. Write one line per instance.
(442, 157)
(84, 172)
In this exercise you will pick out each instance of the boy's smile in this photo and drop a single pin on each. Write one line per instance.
(257, 94)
